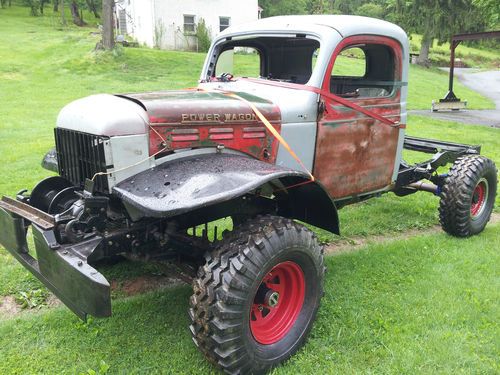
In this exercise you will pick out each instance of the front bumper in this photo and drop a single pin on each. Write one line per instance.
(62, 268)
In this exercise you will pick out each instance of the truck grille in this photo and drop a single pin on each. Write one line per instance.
(81, 156)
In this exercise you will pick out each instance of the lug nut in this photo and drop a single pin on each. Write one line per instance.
(272, 298)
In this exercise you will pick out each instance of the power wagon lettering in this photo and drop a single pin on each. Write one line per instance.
(216, 117)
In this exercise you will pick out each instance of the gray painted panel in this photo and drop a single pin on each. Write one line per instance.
(129, 156)
(301, 137)
(295, 105)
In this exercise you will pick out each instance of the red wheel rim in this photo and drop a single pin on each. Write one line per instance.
(272, 318)
(478, 199)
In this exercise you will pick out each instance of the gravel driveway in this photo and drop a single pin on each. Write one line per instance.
(486, 83)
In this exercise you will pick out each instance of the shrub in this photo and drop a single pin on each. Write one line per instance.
(370, 10)
(159, 34)
(204, 36)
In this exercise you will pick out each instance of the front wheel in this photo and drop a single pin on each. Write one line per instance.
(468, 196)
(257, 295)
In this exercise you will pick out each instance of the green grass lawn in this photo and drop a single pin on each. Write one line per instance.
(426, 304)
(422, 305)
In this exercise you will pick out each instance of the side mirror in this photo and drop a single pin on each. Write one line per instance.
(225, 63)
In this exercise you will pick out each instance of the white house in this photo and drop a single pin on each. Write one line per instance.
(171, 24)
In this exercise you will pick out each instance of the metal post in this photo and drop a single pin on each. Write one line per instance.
(452, 65)
(450, 101)
(450, 96)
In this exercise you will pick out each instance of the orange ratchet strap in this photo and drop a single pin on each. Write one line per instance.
(271, 128)
(329, 95)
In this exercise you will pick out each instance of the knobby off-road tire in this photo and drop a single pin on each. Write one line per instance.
(468, 196)
(238, 320)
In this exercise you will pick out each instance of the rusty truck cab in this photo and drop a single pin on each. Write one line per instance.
(347, 151)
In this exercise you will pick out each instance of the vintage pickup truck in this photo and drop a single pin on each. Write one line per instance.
(145, 176)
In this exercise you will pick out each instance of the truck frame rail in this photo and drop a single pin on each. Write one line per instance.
(443, 154)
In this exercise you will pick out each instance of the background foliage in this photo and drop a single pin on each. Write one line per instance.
(433, 19)
(204, 36)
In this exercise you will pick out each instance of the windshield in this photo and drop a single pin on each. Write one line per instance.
(287, 59)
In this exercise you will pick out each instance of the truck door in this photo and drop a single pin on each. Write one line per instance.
(355, 153)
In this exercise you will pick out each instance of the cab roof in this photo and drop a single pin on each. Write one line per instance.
(320, 24)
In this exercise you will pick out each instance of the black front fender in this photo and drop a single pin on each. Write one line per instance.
(181, 186)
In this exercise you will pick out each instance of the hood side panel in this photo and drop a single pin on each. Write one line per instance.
(198, 118)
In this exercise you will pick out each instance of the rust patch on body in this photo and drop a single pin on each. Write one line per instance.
(356, 154)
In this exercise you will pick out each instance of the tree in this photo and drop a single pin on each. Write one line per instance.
(204, 35)
(34, 6)
(108, 33)
(437, 19)
(347, 6)
(92, 6)
(42, 5)
(280, 7)
(318, 6)
(63, 15)
(75, 14)
(491, 11)
(371, 10)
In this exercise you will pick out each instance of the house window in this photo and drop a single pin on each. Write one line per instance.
(189, 25)
(224, 23)
(122, 21)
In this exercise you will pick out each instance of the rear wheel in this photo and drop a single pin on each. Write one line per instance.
(257, 295)
(468, 196)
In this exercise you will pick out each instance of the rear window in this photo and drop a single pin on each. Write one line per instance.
(351, 62)
(363, 71)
